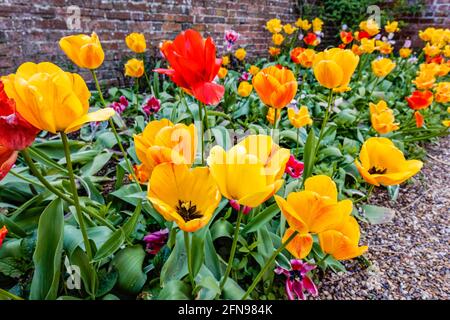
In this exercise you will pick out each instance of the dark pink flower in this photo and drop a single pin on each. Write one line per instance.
(236, 206)
(151, 106)
(297, 280)
(294, 168)
(245, 76)
(231, 37)
(123, 101)
(156, 240)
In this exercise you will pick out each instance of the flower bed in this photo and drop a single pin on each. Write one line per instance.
(211, 178)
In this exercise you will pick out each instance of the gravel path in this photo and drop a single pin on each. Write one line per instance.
(410, 255)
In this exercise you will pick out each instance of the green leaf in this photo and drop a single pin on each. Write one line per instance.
(175, 267)
(107, 280)
(261, 219)
(130, 225)
(211, 258)
(47, 256)
(232, 291)
(197, 252)
(12, 226)
(96, 164)
(11, 267)
(88, 274)
(309, 154)
(111, 245)
(377, 214)
(222, 228)
(128, 263)
(175, 290)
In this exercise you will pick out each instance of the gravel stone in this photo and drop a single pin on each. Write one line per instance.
(410, 254)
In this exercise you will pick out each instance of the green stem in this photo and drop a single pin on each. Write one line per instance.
(325, 257)
(116, 135)
(268, 265)
(136, 93)
(202, 129)
(233, 250)
(374, 86)
(55, 190)
(187, 242)
(76, 200)
(324, 123)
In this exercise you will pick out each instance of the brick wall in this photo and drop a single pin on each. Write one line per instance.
(30, 30)
(435, 14)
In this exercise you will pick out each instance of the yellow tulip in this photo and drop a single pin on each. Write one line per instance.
(405, 52)
(85, 51)
(432, 68)
(289, 29)
(134, 68)
(367, 45)
(380, 162)
(444, 69)
(225, 60)
(306, 58)
(274, 51)
(382, 117)
(384, 47)
(136, 42)
(342, 241)
(442, 93)
(188, 197)
(446, 51)
(391, 27)
(274, 26)
(253, 70)
(299, 118)
(382, 67)
(424, 80)
(251, 171)
(431, 50)
(222, 73)
(270, 116)
(334, 68)
(240, 54)
(162, 141)
(314, 210)
(303, 24)
(317, 24)
(277, 39)
(370, 26)
(52, 99)
(244, 89)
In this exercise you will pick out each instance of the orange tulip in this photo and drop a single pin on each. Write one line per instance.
(276, 86)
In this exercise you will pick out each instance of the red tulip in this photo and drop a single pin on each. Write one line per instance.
(3, 233)
(7, 159)
(420, 99)
(346, 37)
(15, 132)
(419, 119)
(362, 34)
(311, 39)
(193, 66)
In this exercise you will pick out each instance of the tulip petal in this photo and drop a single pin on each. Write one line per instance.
(7, 159)
(300, 246)
(99, 115)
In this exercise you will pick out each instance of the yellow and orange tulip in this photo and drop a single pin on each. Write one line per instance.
(382, 163)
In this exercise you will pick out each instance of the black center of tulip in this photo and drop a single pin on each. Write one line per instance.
(377, 170)
(295, 275)
(187, 210)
